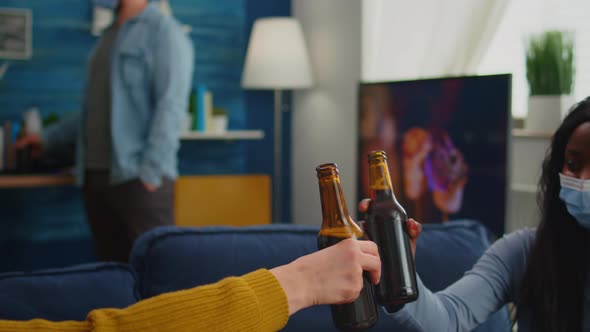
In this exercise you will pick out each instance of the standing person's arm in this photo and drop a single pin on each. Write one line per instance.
(54, 138)
(171, 81)
(259, 301)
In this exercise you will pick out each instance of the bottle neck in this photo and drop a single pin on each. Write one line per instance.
(335, 214)
(379, 180)
(381, 189)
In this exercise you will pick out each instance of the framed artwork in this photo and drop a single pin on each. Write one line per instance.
(15, 33)
(447, 145)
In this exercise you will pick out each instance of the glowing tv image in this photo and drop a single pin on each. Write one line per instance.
(447, 145)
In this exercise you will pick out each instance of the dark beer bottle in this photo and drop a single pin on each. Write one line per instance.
(386, 225)
(337, 225)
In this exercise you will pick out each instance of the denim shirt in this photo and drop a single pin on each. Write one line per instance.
(151, 74)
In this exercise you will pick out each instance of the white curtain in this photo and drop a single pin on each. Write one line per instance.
(426, 38)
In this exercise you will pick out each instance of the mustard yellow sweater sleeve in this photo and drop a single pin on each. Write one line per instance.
(253, 302)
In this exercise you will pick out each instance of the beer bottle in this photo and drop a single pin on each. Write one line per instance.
(386, 226)
(337, 225)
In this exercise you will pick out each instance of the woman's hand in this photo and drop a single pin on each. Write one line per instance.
(332, 275)
(414, 227)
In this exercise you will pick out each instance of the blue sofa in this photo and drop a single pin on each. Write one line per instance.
(170, 258)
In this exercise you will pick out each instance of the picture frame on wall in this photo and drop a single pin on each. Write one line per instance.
(16, 37)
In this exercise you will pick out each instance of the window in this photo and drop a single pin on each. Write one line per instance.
(524, 17)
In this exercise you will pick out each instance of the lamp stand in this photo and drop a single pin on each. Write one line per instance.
(277, 179)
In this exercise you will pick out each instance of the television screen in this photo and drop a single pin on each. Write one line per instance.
(447, 144)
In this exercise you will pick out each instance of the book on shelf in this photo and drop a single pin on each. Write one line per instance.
(203, 113)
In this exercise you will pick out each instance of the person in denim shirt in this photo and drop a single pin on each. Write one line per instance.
(127, 135)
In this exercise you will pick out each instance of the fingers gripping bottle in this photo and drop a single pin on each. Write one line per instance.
(337, 225)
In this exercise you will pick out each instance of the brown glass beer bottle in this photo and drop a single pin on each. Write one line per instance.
(386, 225)
(337, 225)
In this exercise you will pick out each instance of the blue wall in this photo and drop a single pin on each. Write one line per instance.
(53, 79)
(33, 220)
(51, 220)
(260, 105)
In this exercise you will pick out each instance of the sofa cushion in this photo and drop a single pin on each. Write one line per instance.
(171, 258)
(67, 293)
(444, 252)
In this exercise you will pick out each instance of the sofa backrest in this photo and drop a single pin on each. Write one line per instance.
(66, 293)
(170, 258)
(446, 251)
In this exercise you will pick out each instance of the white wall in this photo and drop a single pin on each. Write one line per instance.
(426, 38)
(526, 17)
(324, 118)
(506, 53)
(342, 51)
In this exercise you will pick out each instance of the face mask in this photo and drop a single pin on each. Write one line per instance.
(575, 193)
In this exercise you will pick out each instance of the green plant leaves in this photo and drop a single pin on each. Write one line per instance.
(550, 63)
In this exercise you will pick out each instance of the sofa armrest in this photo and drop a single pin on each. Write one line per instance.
(66, 293)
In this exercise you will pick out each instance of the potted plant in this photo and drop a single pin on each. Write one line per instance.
(220, 120)
(550, 73)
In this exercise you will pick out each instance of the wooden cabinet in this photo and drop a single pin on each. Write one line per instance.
(236, 200)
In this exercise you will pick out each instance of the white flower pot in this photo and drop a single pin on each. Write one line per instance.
(546, 112)
(220, 123)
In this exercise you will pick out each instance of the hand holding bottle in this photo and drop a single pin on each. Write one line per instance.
(414, 227)
(337, 227)
(333, 275)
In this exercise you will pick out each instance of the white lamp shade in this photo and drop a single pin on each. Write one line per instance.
(277, 56)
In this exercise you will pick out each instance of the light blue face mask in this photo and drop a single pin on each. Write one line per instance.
(575, 193)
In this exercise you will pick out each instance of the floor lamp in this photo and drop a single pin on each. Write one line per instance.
(277, 60)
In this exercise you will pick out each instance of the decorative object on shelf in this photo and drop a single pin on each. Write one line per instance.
(16, 33)
(219, 120)
(50, 119)
(202, 102)
(32, 121)
(103, 15)
(277, 59)
(550, 74)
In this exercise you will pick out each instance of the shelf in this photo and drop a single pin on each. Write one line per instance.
(530, 134)
(525, 188)
(30, 181)
(228, 135)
